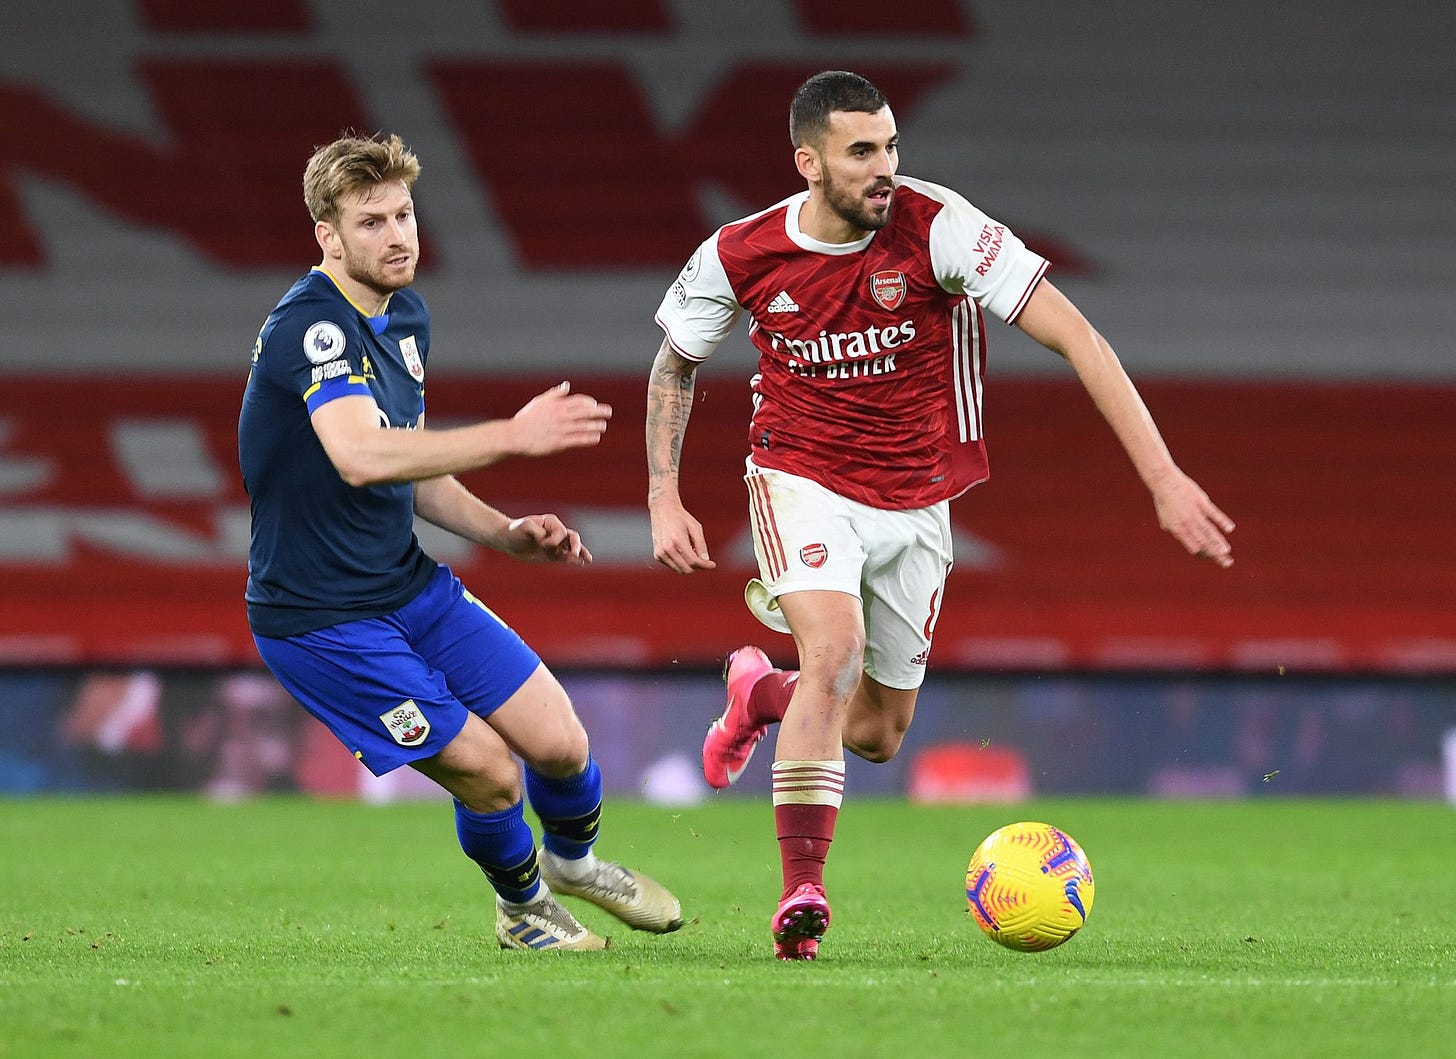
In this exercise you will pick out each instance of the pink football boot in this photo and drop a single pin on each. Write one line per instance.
(800, 922)
(732, 737)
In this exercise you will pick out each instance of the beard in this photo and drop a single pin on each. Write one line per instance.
(371, 272)
(852, 207)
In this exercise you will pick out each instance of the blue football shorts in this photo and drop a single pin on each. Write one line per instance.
(396, 689)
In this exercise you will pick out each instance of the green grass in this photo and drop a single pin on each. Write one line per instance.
(172, 927)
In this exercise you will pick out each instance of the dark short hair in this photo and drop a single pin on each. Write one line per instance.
(822, 95)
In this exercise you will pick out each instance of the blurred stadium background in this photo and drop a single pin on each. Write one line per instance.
(1252, 201)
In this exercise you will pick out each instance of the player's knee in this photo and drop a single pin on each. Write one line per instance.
(875, 753)
(875, 744)
(877, 723)
(835, 666)
(488, 789)
(561, 753)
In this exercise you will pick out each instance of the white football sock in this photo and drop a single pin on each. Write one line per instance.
(578, 870)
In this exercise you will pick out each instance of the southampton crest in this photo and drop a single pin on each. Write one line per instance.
(406, 723)
(412, 361)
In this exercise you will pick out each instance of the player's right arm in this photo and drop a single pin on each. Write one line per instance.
(364, 453)
(696, 314)
(678, 542)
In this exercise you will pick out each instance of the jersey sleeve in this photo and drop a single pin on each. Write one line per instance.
(975, 255)
(700, 308)
(315, 352)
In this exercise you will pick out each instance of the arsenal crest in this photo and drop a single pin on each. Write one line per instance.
(888, 288)
(813, 555)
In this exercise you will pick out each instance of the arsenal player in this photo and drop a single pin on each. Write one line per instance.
(866, 297)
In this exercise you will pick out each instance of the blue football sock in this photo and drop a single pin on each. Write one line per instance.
(570, 809)
(502, 844)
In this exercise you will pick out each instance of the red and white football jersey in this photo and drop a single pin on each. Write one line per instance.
(870, 354)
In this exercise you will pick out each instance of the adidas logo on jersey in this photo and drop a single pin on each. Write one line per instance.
(782, 303)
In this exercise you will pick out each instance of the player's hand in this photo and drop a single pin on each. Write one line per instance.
(559, 419)
(677, 539)
(1185, 511)
(544, 539)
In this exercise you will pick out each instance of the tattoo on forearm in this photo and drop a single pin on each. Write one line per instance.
(669, 404)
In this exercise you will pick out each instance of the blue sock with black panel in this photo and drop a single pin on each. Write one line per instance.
(570, 810)
(503, 846)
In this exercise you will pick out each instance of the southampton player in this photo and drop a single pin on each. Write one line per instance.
(866, 296)
(379, 642)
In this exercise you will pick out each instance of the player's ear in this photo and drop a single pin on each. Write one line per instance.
(328, 238)
(808, 163)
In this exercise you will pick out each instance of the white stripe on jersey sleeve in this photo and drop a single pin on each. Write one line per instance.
(966, 362)
(700, 308)
(973, 254)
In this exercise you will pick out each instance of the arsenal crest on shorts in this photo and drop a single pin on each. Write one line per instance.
(813, 555)
(888, 288)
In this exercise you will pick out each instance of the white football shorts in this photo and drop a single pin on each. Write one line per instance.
(807, 537)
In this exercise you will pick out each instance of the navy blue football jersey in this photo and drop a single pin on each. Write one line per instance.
(324, 551)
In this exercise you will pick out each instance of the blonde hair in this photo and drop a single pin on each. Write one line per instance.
(354, 163)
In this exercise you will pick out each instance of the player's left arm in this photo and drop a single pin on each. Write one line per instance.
(445, 502)
(1184, 509)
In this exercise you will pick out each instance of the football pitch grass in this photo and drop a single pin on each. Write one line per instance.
(161, 926)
